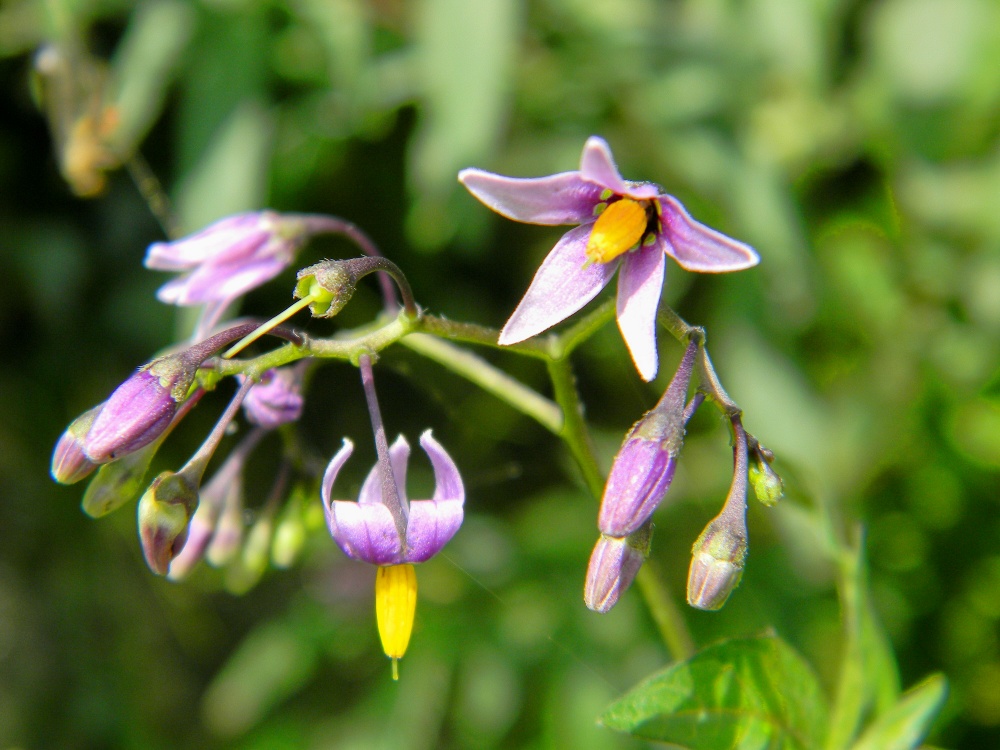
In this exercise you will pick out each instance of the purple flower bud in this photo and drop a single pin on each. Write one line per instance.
(228, 258)
(644, 466)
(276, 399)
(141, 408)
(165, 511)
(613, 566)
(366, 530)
(70, 463)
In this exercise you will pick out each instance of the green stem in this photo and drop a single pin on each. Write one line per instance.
(666, 614)
(491, 379)
(476, 334)
(586, 327)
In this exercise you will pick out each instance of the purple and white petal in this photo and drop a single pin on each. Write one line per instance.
(563, 198)
(432, 524)
(697, 247)
(330, 475)
(399, 456)
(597, 165)
(563, 284)
(640, 284)
(365, 532)
(447, 480)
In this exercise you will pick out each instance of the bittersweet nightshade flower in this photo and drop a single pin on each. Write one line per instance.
(644, 466)
(621, 223)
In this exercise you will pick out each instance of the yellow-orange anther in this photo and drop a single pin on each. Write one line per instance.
(618, 228)
(395, 605)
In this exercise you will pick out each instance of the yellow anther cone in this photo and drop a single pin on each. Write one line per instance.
(395, 606)
(619, 227)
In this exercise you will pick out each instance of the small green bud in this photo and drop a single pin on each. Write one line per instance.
(247, 569)
(118, 483)
(767, 485)
(289, 536)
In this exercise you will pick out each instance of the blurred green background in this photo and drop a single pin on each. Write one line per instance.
(854, 143)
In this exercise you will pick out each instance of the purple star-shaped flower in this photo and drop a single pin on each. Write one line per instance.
(621, 223)
(367, 531)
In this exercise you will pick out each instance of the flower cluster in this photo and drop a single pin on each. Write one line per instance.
(629, 227)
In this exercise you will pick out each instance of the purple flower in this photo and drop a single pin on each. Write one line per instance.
(70, 463)
(366, 530)
(226, 260)
(276, 399)
(621, 223)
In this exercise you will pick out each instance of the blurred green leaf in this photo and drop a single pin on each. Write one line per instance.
(904, 725)
(735, 695)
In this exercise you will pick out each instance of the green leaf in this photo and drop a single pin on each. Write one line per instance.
(904, 725)
(742, 694)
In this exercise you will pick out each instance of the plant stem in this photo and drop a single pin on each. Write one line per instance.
(665, 613)
(491, 379)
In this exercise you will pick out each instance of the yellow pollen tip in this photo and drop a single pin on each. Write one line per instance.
(395, 605)
(619, 228)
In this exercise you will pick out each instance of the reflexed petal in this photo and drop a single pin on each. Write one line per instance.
(332, 469)
(562, 285)
(371, 490)
(597, 165)
(699, 248)
(447, 480)
(562, 198)
(432, 524)
(640, 284)
(365, 532)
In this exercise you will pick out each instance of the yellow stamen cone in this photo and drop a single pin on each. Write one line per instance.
(618, 228)
(395, 605)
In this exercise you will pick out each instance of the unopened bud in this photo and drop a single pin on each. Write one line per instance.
(289, 536)
(767, 485)
(165, 511)
(613, 566)
(118, 483)
(276, 399)
(70, 463)
(716, 563)
(330, 284)
(229, 531)
(247, 570)
(141, 408)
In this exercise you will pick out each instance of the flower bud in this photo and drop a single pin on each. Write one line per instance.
(613, 566)
(276, 399)
(165, 511)
(70, 463)
(118, 483)
(141, 408)
(330, 284)
(716, 563)
(767, 485)
(229, 531)
(289, 535)
(644, 466)
(247, 569)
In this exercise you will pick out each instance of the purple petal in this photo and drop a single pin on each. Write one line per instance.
(640, 284)
(365, 532)
(213, 283)
(563, 198)
(563, 284)
(699, 248)
(371, 490)
(432, 524)
(186, 253)
(612, 568)
(330, 475)
(639, 479)
(597, 165)
(447, 480)
(137, 413)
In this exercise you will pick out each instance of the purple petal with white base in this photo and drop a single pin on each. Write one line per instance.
(563, 284)
(190, 251)
(640, 283)
(434, 522)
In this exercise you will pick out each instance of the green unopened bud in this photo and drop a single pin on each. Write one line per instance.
(165, 511)
(716, 563)
(767, 485)
(289, 536)
(330, 284)
(247, 570)
(118, 483)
